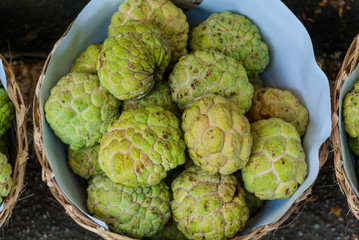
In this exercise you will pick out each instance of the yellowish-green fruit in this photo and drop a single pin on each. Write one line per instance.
(87, 59)
(350, 111)
(5, 176)
(6, 111)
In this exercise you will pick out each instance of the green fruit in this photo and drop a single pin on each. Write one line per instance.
(256, 82)
(133, 211)
(217, 135)
(350, 111)
(160, 95)
(132, 61)
(169, 232)
(5, 176)
(141, 146)
(79, 110)
(208, 206)
(84, 162)
(277, 163)
(6, 111)
(201, 73)
(161, 13)
(354, 145)
(86, 60)
(235, 36)
(277, 103)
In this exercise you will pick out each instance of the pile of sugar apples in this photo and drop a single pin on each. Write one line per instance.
(173, 128)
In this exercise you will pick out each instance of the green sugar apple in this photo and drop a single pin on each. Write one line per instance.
(235, 36)
(208, 206)
(136, 212)
(217, 135)
(7, 111)
(256, 82)
(161, 13)
(5, 176)
(79, 110)
(132, 61)
(277, 164)
(87, 59)
(350, 111)
(201, 73)
(84, 162)
(276, 103)
(141, 146)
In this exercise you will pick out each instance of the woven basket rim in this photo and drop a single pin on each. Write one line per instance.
(19, 166)
(349, 64)
(80, 218)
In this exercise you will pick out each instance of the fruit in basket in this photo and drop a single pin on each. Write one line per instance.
(276, 103)
(217, 135)
(132, 61)
(235, 36)
(141, 146)
(84, 162)
(6, 111)
(354, 145)
(208, 206)
(133, 211)
(87, 59)
(350, 111)
(277, 164)
(5, 176)
(169, 232)
(160, 95)
(79, 110)
(161, 13)
(201, 73)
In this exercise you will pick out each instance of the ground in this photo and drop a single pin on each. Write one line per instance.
(31, 29)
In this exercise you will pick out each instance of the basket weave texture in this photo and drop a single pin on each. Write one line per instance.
(21, 142)
(349, 64)
(80, 218)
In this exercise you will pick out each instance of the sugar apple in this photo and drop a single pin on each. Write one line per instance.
(350, 111)
(134, 211)
(235, 36)
(84, 162)
(132, 61)
(169, 232)
(6, 111)
(354, 145)
(160, 95)
(163, 14)
(208, 206)
(217, 135)
(277, 163)
(141, 146)
(79, 110)
(86, 60)
(5, 176)
(256, 81)
(201, 73)
(277, 103)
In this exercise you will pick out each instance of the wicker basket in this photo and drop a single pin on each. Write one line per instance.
(19, 158)
(77, 215)
(350, 62)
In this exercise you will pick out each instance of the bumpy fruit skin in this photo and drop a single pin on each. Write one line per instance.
(5, 176)
(141, 146)
(235, 36)
(169, 232)
(208, 206)
(201, 73)
(277, 103)
(256, 81)
(84, 162)
(161, 13)
(133, 211)
(6, 111)
(217, 135)
(354, 145)
(160, 95)
(350, 111)
(79, 110)
(277, 163)
(132, 61)
(86, 60)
